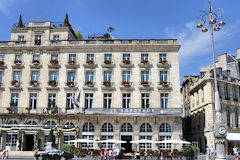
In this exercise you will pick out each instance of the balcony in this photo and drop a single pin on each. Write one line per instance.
(126, 64)
(90, 64)
(18, 64)
(34, 83)
(126, 85)
(164, 85)
(54, 64)
(163, 64)
(108, 64)
(145, 64)
(70, 84)
(72, 64)
(89, 85)
(145, 85)
(2, 66)
(15, 83)
(136, 111)
(108, 85)
(52, 83)
(36, 64)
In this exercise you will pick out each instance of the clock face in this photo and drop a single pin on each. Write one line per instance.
(222, 130)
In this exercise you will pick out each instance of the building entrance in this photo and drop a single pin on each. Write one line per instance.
(29, 142)
(127, 146)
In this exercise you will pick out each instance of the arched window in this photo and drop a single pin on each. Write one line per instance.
(31, 122)
(145, 133)
(165, 127)
(88, 127)
(13, 122)
(165, 133)
(69, 125)
(126, 127)
(146, 127)
(107, 127)
(51, 123)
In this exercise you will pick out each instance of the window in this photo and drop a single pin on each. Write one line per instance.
(71, 77)
(33, 100)
(88, 127)
(126, 127)
(163, 76)
(69, 100)
(126, 76)
(145, 100)
(126, 100)
(236, 118)
(107, 133)
(126, 57)
(145, 133)
(220, 91)
(11, 141)
(51, 124)
(162, 57)
(14, 102)
(36, 57)
(35, 76)
(18, 58)
(13, 122)
(54, 57)
(107, 100)
(53, 76)
(89, 76)
(226, 93)
(72, 57)
(37, 39)
(108, 57)
(20, 38)
(68, 138)
(1, 78)
(228, 117)
(88, 100)
(107, 127)
(164, 100)
(32, 123)
(234, 90)
(165, 133)
(145, 76)
(69, 125)
(108, 76)
(1, 57)
(144, 57)
(51, 99)
(17, 76)
(90, 57)
(56, 37)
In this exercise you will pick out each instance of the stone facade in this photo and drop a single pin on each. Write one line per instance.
(45, 84)
(198, 101)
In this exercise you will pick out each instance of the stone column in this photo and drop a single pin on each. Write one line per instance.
(155, 132)
(97, 136)
(116, 136)
(135, 137)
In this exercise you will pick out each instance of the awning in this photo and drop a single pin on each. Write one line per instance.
(233, 136)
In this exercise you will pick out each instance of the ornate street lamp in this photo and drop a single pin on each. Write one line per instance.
(208, 19)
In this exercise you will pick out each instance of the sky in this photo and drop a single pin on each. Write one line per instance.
(173, 19)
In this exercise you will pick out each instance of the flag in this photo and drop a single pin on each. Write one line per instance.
(78, 96)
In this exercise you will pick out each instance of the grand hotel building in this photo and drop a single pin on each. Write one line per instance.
(95, 88)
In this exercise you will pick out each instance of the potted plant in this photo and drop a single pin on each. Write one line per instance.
(34, 83)
(9, 109)
(163, 61)
(68, 108)
(71, 62)
(49, 109)
(28, 108)
(70, 83)
(144, 61)
(52, 82)
(126, 61)
(163, 83)
(89, 61)
(107, 62)
(35, 61)
(1, 62)
(89, 83)
(12, 103)
(147, 105)
(125, 83)
(52, 103)
(54, 61)
(17, 61)
(144, 82)
(189, 152)
(14, 82)
(106, 83)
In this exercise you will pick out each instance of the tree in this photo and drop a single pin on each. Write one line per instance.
(189, 152)
(51, 138)
(110, 29)
(66, 22)
(78, 34)
(20, 24)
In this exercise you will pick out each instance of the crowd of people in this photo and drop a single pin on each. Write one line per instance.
(109, 154)
(236, 152)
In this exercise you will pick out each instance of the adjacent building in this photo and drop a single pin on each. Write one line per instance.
(198, 102)
(97, 88)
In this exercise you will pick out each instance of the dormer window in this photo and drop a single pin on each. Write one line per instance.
(56, 37)
(144, 58)
(37, 39)
(20, 38)
(18, 59)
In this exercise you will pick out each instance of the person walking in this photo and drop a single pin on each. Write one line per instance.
(101, 155)
(207, 153)
(4, 154)
(235, 150)
(7, 154)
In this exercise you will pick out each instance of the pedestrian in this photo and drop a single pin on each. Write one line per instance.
(237, 155)
(212, 153)
(207, 153)
(235, 150)
(110, 154)
(114, 154)
(36, 154)
(101, 155)
(7, 154)
(3, 154)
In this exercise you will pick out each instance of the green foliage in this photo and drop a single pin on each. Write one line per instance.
(69, 148)
(107, 36)
(189, 151)
(78, 33)
(110, 29)
(20, 24)
(51, 138)
(66, 22)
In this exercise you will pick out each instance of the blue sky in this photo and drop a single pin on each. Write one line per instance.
(136, 19)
